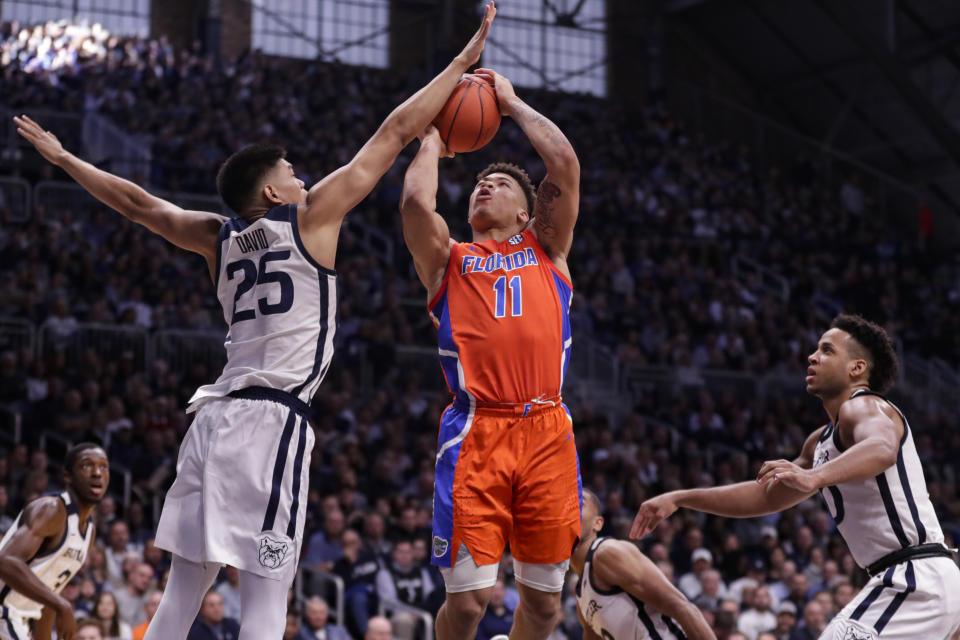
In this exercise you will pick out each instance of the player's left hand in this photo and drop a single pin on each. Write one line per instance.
(503, 88)
(789, 474)
(45, 142)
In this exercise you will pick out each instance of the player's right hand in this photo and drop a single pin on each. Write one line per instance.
(471, 52)
(44, 141)
(66, 624)
(431, 134)
(651, 513)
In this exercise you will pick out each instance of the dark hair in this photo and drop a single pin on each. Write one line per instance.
(70, 460)
(589, 495)
(881, 354)
(114, 622)
(517, 174)
(238, 179)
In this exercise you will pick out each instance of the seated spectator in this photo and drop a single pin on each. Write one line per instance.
(358, 568)
(131, 597)
(712, 590)
(497, 620)
(759, 617)
(814, 622)
(150, 604)
(701, 560)
(402, 580)
(292, 630)
(229, 590)
(379, 628)
(211, 624)
(105, 612)
(326, 547)
(118, 548)
(786, 620)
(89, 629)
(316, 623)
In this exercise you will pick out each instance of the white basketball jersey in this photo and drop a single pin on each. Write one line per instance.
(279, 304)
(55, 568)
(614, 614)
(886, 513)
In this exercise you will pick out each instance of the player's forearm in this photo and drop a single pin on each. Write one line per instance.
(691, 621)
(17, 575)
(43, 628)
(120, 195)
(552, 146)
(741, 500)
(864, 460)
(422, 179)
(417, 111)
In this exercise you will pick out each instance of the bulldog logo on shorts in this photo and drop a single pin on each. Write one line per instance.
(271, 552)
(439, 546)
(854, 633)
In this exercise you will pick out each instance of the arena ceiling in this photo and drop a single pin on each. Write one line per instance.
(876, 79)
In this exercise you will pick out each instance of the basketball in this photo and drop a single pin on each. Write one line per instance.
(471, 116)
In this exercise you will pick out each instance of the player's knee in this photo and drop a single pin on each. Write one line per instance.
(468, 607)
(542, 608)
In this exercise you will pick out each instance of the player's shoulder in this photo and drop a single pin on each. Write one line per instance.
(46, 512)
(861, 406)
(614, 555)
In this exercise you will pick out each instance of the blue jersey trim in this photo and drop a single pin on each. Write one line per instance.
(324, 284)
(452, 422)
(292, 217)
(898, 599)
(269, 518)
(874, 594)
(297, 472)
(222, 236)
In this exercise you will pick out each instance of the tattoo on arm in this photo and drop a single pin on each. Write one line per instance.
(543, 209)
(554, 135)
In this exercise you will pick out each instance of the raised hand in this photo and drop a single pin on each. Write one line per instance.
(44, 141)
(503, 87)
(651, 513)
(431, 134)
(471, 52)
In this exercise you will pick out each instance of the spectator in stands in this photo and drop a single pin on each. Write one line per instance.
(712, 590)
(212, 624)
(379, 628)
(497, 619)
(119, 548)
(89, 629)
(292, 629)
(150, 604)
(229, 590)
(814, 622)
(374, 534)
(316, 624)
(701, 560)
(786, 620)
(358, 568)
(759, 617)
(402, 580)
(105, 612)
(326, 547)
(131, 598)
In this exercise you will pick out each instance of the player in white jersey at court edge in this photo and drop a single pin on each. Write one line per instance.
(47, 545)
(865, 465)
(241, 488)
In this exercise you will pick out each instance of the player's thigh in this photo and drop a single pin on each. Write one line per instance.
(465, 576)
(542, 578)
(547, 498)
(473, 489)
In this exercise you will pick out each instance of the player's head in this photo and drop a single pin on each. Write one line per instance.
(591, 516)
(853, 351)
(502, 197)
(259, 176)
(86, 471)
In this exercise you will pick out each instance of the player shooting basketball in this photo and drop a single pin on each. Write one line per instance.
(507, 465)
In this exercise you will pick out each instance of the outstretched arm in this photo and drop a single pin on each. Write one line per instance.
(424, 230)
(558, 196)
(331, 198)
(191, 230)
(743, 500)
(42, 519)
(620, 563)
(875, 438)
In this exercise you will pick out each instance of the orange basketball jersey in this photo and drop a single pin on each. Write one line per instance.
(503, 323)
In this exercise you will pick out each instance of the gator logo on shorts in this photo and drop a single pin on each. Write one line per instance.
(439, 546)
(271, 552)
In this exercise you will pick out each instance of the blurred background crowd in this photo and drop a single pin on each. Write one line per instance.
(688, 257)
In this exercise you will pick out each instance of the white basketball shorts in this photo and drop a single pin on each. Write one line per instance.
(241, 490)
(914, 600)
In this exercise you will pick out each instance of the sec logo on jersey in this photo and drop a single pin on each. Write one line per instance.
(517, 239)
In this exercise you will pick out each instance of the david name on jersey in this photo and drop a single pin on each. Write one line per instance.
(256, 240)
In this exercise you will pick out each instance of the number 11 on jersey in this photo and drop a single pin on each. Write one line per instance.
(516, 297)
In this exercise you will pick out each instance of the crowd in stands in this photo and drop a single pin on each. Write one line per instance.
(663, 214)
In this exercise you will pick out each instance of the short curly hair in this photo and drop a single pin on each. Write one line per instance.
(518, 174)
(881, 354)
